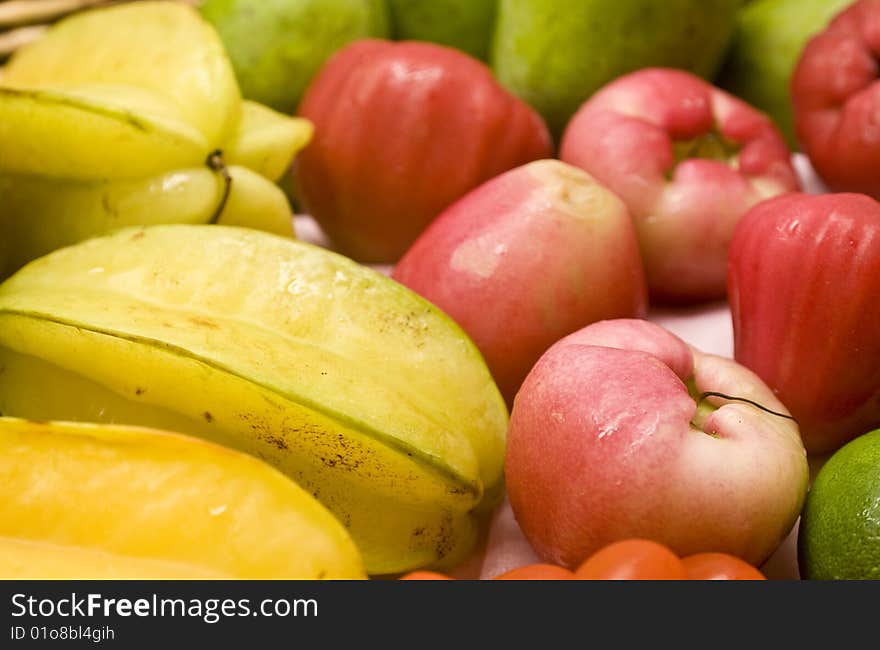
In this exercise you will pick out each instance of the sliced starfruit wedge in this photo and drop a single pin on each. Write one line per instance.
(93, 133)
(40, 214)
(163, 47)
(267, 141)
(363, 392)
(87, 501)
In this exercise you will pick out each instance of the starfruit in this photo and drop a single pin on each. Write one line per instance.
(364, 393)
(70, 211)
(131, 115)
(90, 501)
(163, 48)
(265, 140)
(91, 133)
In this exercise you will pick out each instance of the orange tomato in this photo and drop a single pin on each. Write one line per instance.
(632, 559)
(425, 575)
(537, 572)
(719, 566)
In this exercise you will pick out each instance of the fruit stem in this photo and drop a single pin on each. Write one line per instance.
(743, 399)
(215, 163)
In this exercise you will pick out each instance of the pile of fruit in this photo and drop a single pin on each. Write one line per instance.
(188, 390)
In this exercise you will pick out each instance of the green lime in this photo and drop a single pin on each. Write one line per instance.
(839, 534)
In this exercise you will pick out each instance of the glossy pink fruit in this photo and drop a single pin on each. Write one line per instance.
(835, 92)
(804, 288)
(608, 441)
(526, 258)
(401, 131)
(688, 160)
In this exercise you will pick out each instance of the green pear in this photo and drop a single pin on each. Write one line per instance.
(555, 53)
(767, 42)
(463, 24)
(277, 45)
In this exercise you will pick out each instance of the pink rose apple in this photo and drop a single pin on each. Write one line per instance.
(804, 288)
(609, 440)
(835, 92)
(688, 160)
(401, 131)
(526, 258)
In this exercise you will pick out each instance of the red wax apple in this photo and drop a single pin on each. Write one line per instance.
(401, 131)
(610, 438)
(526, 258)
(836, 98)
(688, 160)
(804, 287)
